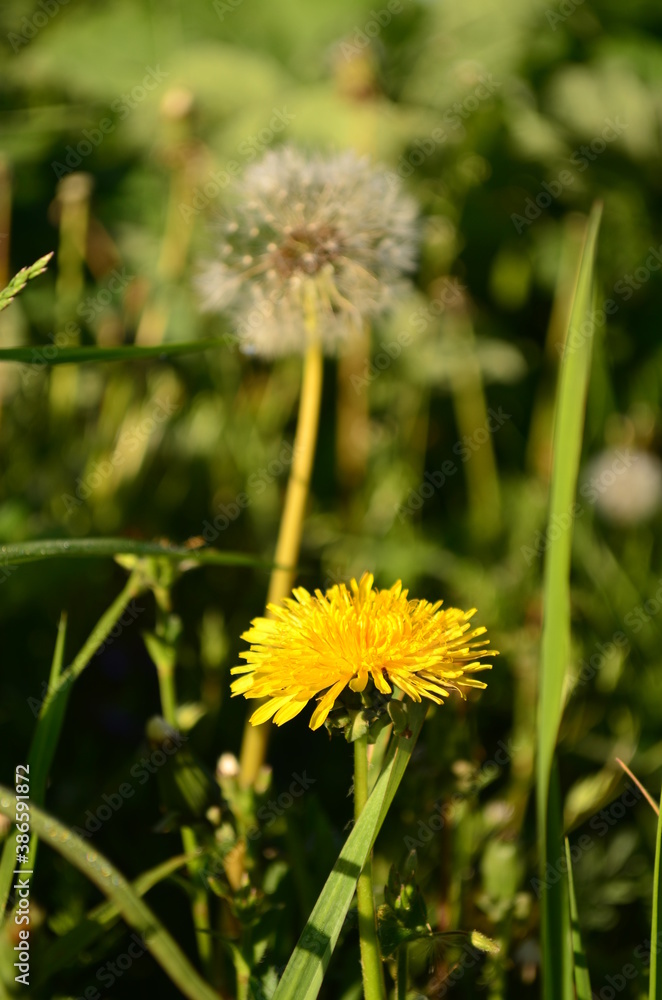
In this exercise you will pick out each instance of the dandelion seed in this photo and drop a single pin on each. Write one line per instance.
(340, 224)
(317, 645)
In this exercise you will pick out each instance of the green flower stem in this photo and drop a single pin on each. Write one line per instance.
(403, 972)
(371, 959)
(200, 904)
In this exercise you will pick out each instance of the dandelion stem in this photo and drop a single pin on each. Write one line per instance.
(165, 669)
(254, 745)
(371, 960)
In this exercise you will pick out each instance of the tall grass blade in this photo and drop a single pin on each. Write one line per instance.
(37, 358)
(582, 978)
(555, 650)
(24, 552)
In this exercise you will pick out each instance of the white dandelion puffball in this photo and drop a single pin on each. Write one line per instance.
(625, 484)
(311, 246)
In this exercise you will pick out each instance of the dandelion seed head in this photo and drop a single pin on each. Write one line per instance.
(338, 224)
(316, 646)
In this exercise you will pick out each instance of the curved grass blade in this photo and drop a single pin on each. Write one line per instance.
(115, 887)
(36, 355)
(24, 552)
(303, 976)
(555, 649)
(99, 920)
(582, 978)
(655, 984)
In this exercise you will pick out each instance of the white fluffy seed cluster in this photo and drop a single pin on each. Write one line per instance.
(312, 246)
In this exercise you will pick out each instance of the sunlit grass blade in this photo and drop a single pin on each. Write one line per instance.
(655, 984)
(114, 886)
(24, 552)
(37, 357)
(582, 978)
(555, 649)
(99, 920)
(303, 976)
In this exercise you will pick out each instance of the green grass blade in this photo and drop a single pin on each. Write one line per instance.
(303, 976)
(655, 984)
(40, 758)
(36, 356)
(568, 431)
(115, 887)
(97, 922)
(24, 552)
(582, 978)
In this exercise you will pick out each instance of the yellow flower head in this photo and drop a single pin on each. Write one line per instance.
(317, 645)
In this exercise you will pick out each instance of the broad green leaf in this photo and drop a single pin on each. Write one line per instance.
(555, 650)
(303, 976)
(24, 552)
(582, 978)
(655, 985)
(115, 887)
(39, 354)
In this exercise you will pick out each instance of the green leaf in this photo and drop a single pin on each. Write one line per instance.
(303, 976)
(24, 552)
(20, 280)
(582, 978)
(655, 985)
(568, 431)
(115, 887)
(80, 355)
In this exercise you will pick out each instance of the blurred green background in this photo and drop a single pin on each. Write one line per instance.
(121, 125)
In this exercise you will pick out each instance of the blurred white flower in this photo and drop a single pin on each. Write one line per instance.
(332, 236)
(625, 484)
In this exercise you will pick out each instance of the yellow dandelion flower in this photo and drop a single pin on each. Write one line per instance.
(314, 646)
